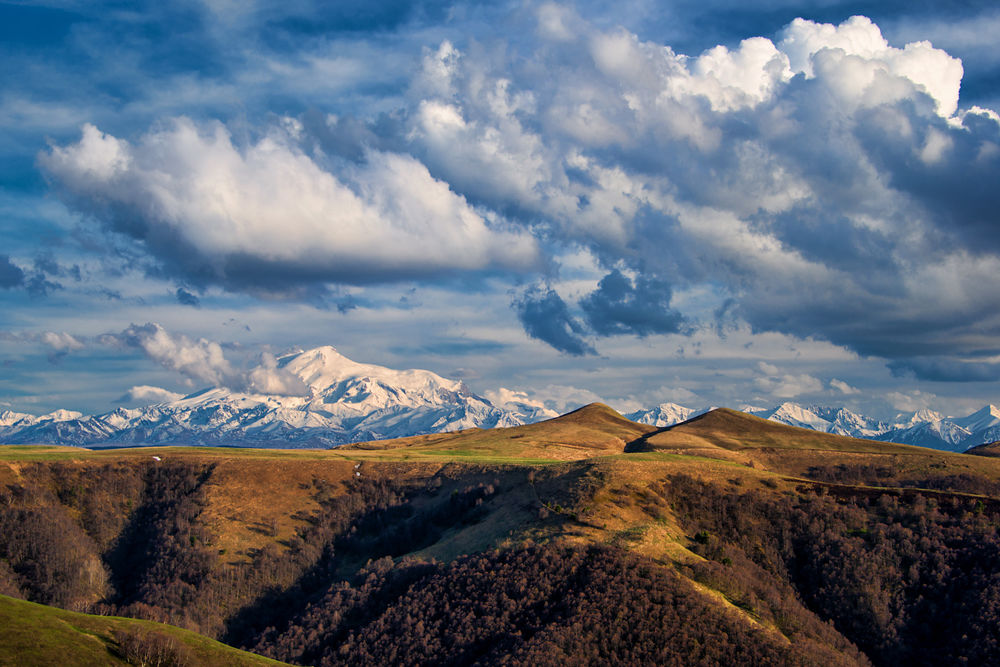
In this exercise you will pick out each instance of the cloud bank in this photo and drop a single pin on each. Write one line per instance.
(824, 184)
(266, 216)
(203, 362)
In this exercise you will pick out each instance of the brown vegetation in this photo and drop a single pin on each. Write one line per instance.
(724, 540)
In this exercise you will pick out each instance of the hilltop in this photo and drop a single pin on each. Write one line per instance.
(589, 431)
(924, 428)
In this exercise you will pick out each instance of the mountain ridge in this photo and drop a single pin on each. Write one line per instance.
(321, 398)
(327, 400)
(923, 428)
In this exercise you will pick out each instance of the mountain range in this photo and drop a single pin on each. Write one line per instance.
(924, 428)
(339, 401)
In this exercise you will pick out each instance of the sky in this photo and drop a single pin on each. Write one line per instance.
(698, 202)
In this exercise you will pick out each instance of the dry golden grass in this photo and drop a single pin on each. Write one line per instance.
(592, 430)
(738, 431)
(257, 497)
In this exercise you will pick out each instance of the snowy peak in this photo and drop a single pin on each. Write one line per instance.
(323, 369)
(908, 419)
(336, 400)
(664, 414)
(796, 415)
(9, 418)
(983, 418)
(323, 366)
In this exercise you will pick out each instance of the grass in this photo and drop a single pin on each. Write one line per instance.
(260, 496)
(590, 431)
(738, 431)
(34, 634)
(257, 497)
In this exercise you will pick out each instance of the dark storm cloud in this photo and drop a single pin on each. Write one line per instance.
(621, 306)
(947, 370)
(954, 175)
(546, 317)
(186, 298)
(35, 281)
(11, 275)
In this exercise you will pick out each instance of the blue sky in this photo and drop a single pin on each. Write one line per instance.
(695, 202)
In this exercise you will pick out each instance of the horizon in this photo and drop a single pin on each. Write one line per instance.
(501, 398)
(667, 202)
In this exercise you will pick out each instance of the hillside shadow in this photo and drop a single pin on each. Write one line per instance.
(642, 444)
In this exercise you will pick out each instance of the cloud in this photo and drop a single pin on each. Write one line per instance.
(620, 305)
(11, 275)
(267, 216)
(947, 370)
(785, 385)
(186, 298)
(204, 362)
(148, 395)
(824, 184)
(59, 343)
(197, 360)
(554, 398)
(546, 317)
(855, 56)
(268, 378)
(843, 387)
(519, 401)
(911, 402)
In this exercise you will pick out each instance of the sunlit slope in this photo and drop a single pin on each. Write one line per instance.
(35, 634)
(593, 430)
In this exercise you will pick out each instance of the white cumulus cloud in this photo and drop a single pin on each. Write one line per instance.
(267, 213)
(148, 395)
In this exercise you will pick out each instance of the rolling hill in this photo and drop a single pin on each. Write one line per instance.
(587, 538)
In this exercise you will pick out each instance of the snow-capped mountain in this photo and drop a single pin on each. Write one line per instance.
(320, 398)
(796, 415)
(984, 423)
(337, 401)
(839, 421)
(665, 414)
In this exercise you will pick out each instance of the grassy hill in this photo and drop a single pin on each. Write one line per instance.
(34, 634)
(737, 431)
(761, 531)
(989, 449)
(592, 430)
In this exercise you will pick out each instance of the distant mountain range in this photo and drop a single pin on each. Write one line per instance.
(924, 427)
(342, 401)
